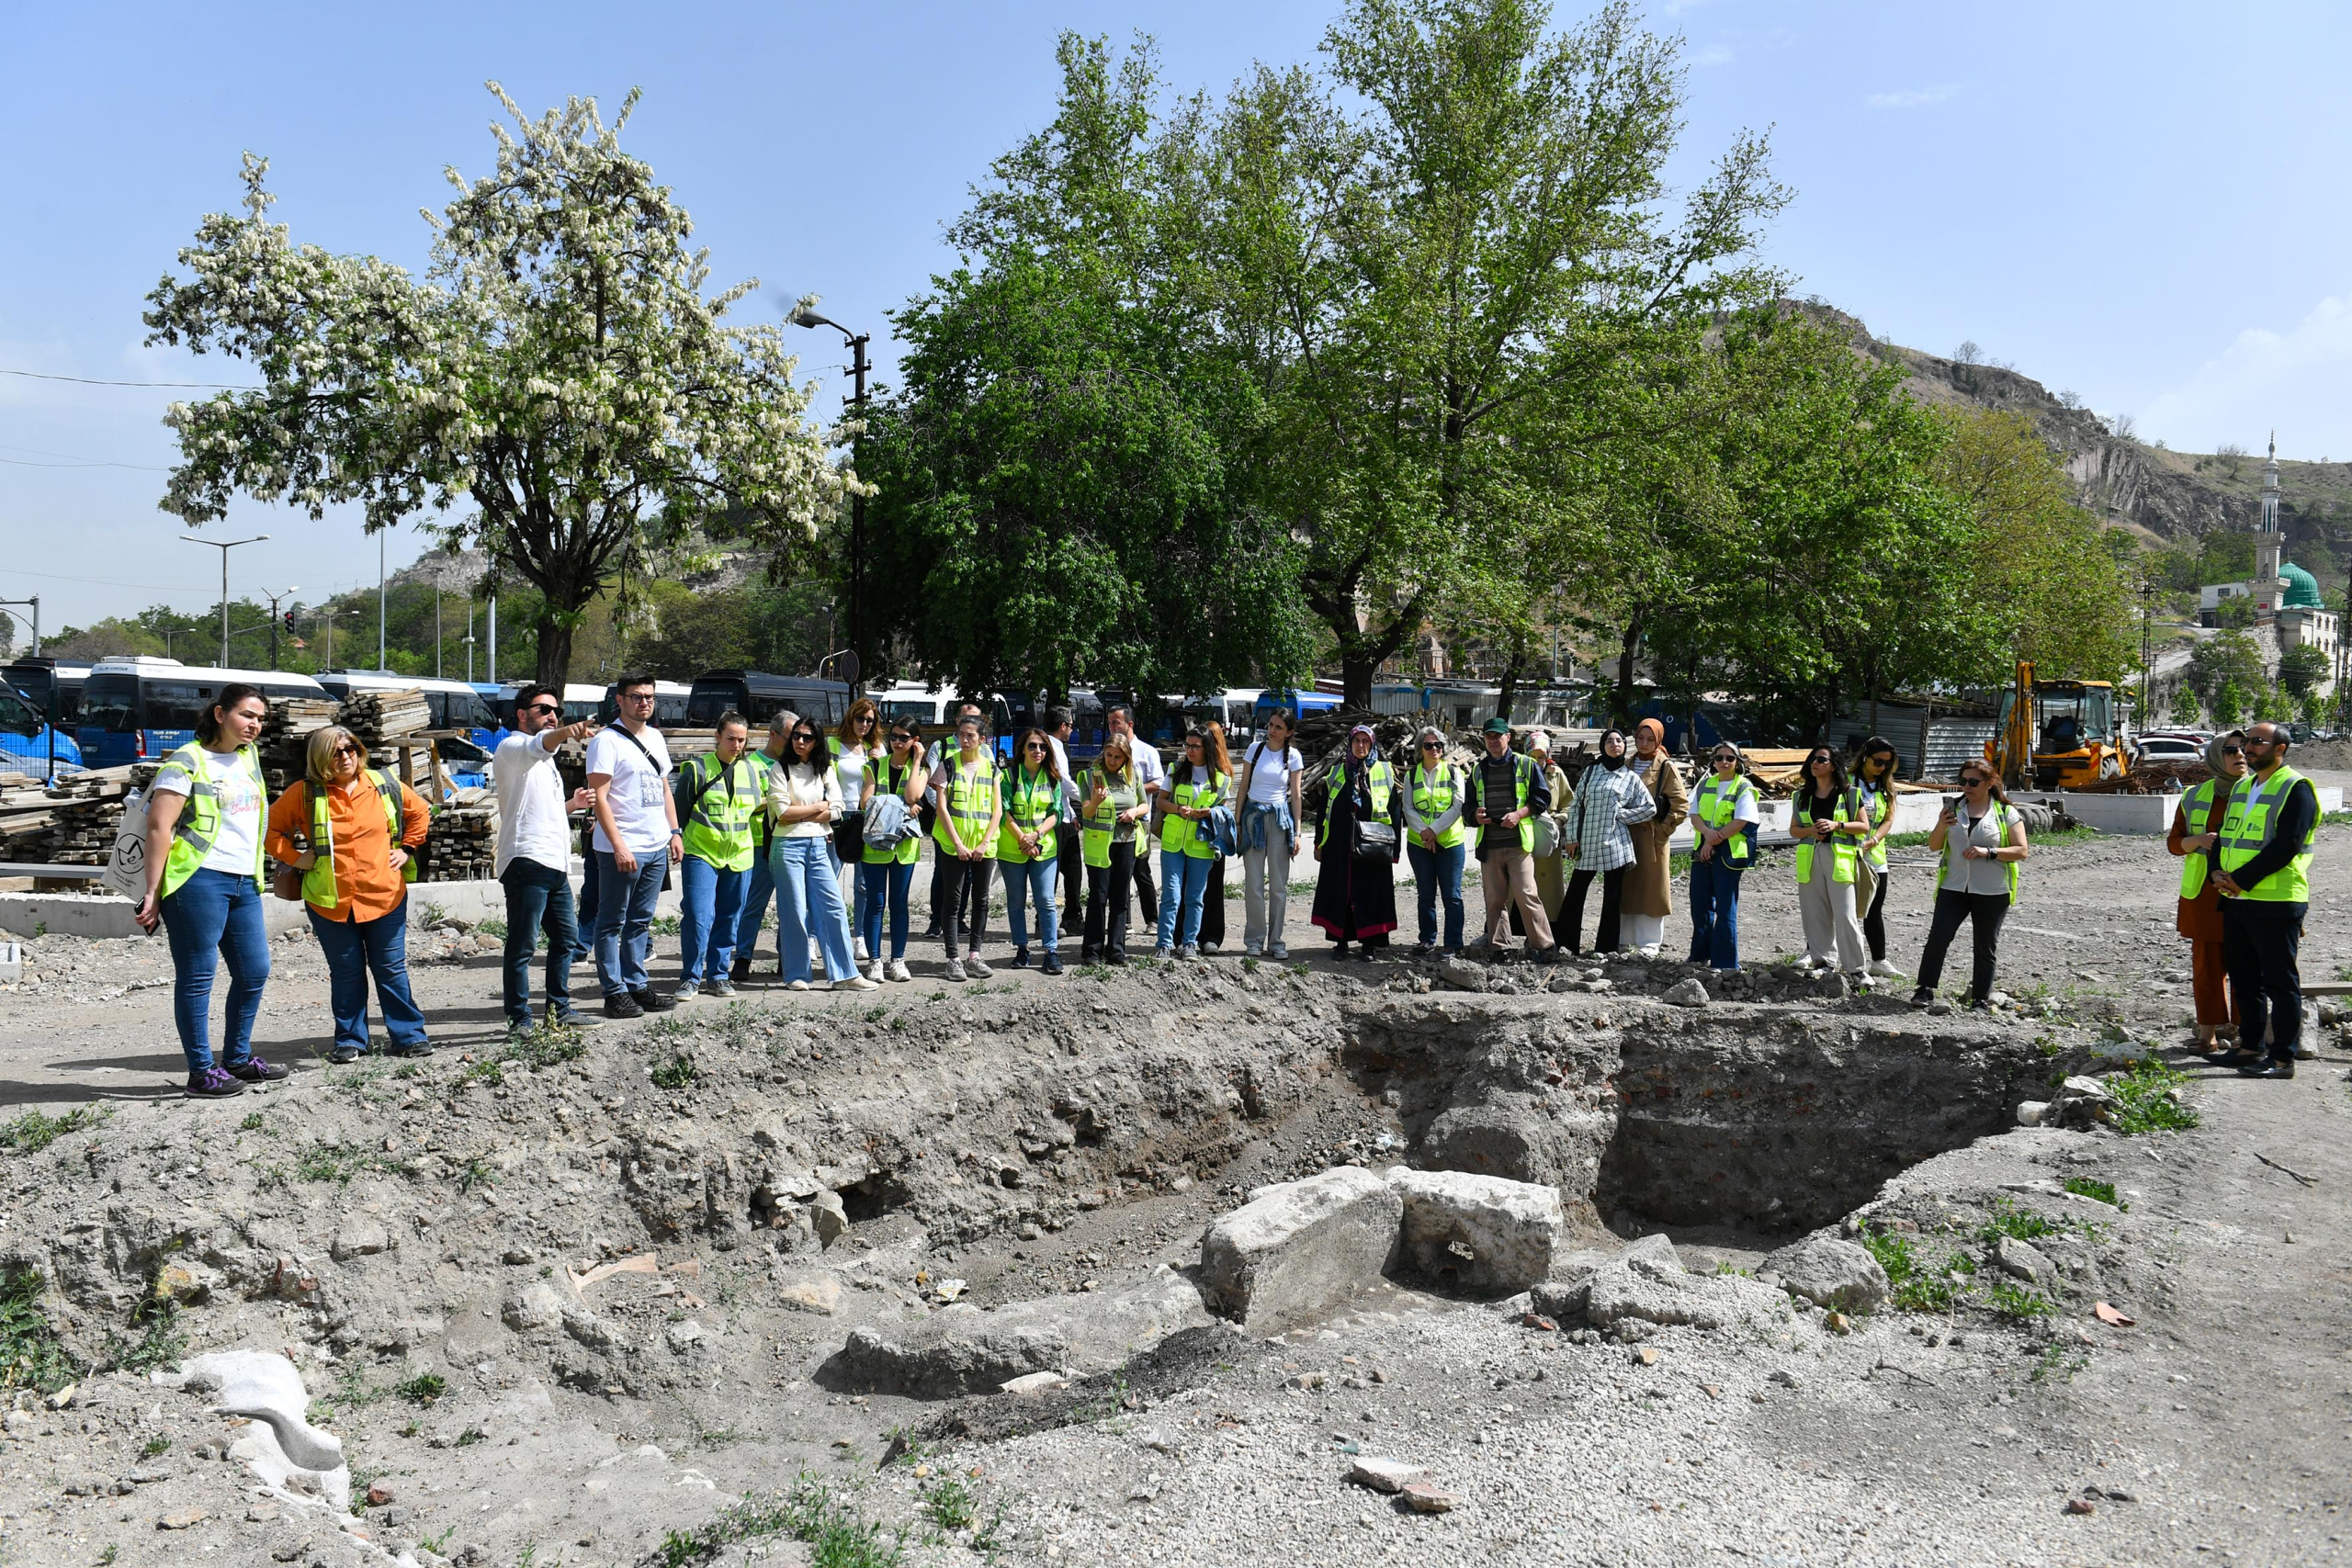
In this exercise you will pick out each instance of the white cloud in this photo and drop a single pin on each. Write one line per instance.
(2299, 381)
(1912, 98)
(1718, 55)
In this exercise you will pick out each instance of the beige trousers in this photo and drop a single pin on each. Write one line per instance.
(1508, 877)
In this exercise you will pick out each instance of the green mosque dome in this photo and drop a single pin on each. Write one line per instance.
(2303, 589)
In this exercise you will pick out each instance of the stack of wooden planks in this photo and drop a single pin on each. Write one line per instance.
(385, 718)
(71, 823)
(463, 845)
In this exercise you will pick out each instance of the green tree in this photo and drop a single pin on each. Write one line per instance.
(2224, 671)
(562, 369)
(2301, 669)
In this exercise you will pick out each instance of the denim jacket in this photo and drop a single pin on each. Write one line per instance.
(1253, 822)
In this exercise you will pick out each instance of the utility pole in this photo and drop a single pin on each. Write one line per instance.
(276, 621)
(803, 317)
(224, 548)
(469, 640)
(437, 630)
(493, 636)
(379, 601)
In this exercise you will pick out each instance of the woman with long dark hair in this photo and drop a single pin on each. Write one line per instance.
(1029, 848)
(1982, 839)
(205, 814)
(1609, 798)
(855, 742)
(804, 796)
(884, 876)
(1356, 850)
(1197, 786)
(1114, 803)
(1874, 763)
(1827, 820)
(2195, 829)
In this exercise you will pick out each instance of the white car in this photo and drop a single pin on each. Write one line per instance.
(2167, 749)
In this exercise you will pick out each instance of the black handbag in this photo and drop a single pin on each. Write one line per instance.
(849, 837)
(1376, 839)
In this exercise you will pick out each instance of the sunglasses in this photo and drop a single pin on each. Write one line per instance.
(2232, 751)
(549, 709)
(1726, 757)
(637, 696)
(346, 750)
(1034, 746)
(1975, 781)
(1433, 745)
(804, 737)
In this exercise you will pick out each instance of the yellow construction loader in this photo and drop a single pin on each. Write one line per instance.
(2056, 734)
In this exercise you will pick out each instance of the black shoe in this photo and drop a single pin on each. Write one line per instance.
(2241, 1059)
(651, 1000)
(1090, 956)
(213, 1083)
(1021, 958)
(1117, 956)
(422, 1048)
(740, 972)
(2275, 1067)
(343, 1055)
(252, 1069)
(1052, 966)
(1548, 954)
(620, 1004)
(1923, 996)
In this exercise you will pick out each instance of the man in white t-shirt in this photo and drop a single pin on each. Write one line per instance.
(534, 852)
(1151, 773)
(637, 838)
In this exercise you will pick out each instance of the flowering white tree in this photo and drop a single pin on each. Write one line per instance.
(560, 367)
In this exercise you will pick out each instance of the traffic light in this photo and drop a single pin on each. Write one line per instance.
(289, 620)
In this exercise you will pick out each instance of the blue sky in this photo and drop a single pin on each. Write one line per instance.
(2135, 201)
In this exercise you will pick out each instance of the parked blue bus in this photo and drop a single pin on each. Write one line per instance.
(52, 686)
(27, 744)
(142, 709)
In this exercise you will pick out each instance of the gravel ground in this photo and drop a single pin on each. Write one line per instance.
(2221, 1414)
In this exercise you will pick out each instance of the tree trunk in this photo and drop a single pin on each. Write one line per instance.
(1509, 688)
(555, 646)
(1357, 666)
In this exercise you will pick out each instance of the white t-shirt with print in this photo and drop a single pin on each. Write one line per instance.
(639, 789)
(242, 808)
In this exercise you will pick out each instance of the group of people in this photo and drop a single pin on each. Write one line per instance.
(828, 829)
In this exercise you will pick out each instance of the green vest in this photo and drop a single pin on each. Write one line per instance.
(1522, 773)
(884, 778)
(1377, 783)
(1182, 835)
(1433, 800)
(1952, 846)
(1843, 852)
(718, 829)
(970, 799)
(318, 882)
(1713, 806)
(1878, 806)
(2247, 829)
(1032, 803)
(2192, 812)
(1096, 833)
(200, 819)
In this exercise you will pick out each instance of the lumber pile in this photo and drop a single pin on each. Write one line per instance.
(385, 718)
(2150, 778)
(72, 822)
(285, 738)
(463, 844)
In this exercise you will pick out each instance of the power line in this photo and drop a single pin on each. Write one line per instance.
(82, 463)
(95, 381)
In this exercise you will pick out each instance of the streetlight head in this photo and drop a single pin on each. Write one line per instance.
(802, 316)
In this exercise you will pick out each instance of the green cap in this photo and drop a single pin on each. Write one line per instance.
(1499, 727)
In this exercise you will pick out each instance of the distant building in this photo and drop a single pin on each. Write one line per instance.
(2286, 597)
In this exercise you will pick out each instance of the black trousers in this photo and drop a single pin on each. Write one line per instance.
(1069, 847)
(1213, 905)
(2260, 942)
(1106, 900)
(1874, 920)
(954, 885)
(1568, 925)
(1984, 913)
(1147, 895)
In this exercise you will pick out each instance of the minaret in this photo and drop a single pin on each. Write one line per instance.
(2269, 586)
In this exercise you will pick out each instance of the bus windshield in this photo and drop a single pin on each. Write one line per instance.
(110, 703)
(18, 716)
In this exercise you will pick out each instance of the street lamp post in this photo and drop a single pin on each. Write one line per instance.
(804, 317)
(224, 548)
(34, 603)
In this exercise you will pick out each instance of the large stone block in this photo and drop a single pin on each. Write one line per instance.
(1298, 1250)
(1485, 1233)
(1829, 1272)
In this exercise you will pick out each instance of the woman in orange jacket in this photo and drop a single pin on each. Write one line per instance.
(352, 831)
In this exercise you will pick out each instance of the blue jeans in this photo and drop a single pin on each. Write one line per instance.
(1183, 881)
(1438, 874)
(355, 949)
(710, 909)
(584, 918)
(538, 895)
(809, 903)
(1715, 913)
(879, 885)
(759, 893)
(212, 916)
(1024, 880)
(625, 921)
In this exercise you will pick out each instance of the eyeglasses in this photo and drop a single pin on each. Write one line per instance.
(2232, 751)
(804, 737)
(1975, 781)
(1035, 747)
(1726, 757)
(549, 709)
(864, 720)
(346, 750)
(1433, 745)
(637, 696)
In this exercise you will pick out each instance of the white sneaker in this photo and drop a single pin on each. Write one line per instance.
(897, 970)
(862, 956)
(796, 986)
(854, 983)
(873, 971)
(1885, 970)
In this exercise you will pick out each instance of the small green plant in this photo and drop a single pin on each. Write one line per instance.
(31, 1356)
(665, 925)
(950, 1505)
(154, 1446)
(422, 1388)
(476, 1173)
(2057, 1364)
(437, 1544)
(113, 1551)
(548, 1045)
(2148, 1100)
(341, 1162)
(471, 1436)
(33, 1132)
(487, 1072)
(161, 1340)
(434, 913)
(492, 928)
(2014, 1300)
(837, 1535)
(251, 1123)
(678, 1072)
(2018, 1223)
(1912, 1285)
(2097, 1191)
(1249, 966)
